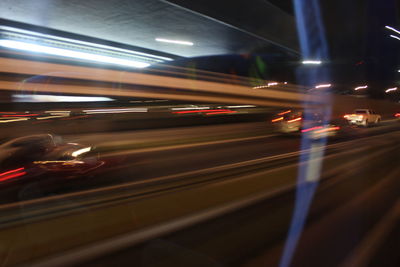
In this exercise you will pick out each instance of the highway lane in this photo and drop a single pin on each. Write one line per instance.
(345, 209)
(223, 242)
(162, 161)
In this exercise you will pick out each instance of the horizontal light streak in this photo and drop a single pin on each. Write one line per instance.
(395, 37)
(58, 98)
(390, 89)
(242, 106)
(190, 108)
(277, 119)
(13, 120)
(122, 110)
(81, 151)
(361, 87)
(180, 42)
(323, 85)
(392, 29)
(71, 54)
(311, 62)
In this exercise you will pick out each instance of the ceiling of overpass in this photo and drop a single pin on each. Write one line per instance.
(138, 23)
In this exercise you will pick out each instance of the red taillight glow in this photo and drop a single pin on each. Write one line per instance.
(12, 174)
(311, 129)
(397, 115)
(285, 112)
(296, 119)
(336, 128)
(277, 119)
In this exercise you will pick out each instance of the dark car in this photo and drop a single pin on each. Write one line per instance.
(44, 153)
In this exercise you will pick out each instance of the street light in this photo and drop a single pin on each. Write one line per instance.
(311, 62)
(361, 87)
(395, 37)
(391, 89)
(392, 29)
(323, 85)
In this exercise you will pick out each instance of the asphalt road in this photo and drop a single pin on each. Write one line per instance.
(251, 236)
(205, 147)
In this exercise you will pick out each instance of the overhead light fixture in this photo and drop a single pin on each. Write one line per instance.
(18, 39)
(392, 29)
(312, 62)
(174, 41)
(395, 37)
(58, 98)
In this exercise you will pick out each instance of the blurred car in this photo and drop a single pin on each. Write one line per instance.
(35, 155)
(293, 122)
(363, 117)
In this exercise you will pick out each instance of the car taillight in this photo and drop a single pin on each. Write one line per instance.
(277, 119)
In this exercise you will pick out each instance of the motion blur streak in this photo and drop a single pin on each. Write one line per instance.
(174, 41)
(323, 86)
(25, 115)
(70, 53)
(284, 112)
(11, 120)
(361, 87)
(296, 119)
(395, 37)
(235, 94)
(11, 174)
(313, 45)
(81, 151)
(311, 129)
(328, 129)
(201, 110)
(392, 29)
(277, 119)
(312, 62)
(122, 110)
(391, 89)
(221, 112)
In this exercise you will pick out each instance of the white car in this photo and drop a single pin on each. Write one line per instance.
(292, 122)
(363, 117)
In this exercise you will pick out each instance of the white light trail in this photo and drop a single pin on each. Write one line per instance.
(323, 85)
(71, 54)
(119, 110)
(174, 41)
(392, 29)
(190, 108)
(81, 151)
(52, 117)
(361, 87)
(242, 106)
(272, 84)
(391, 89)
(395, 37)
(58, 98)
(13, 120)
(312, 62)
